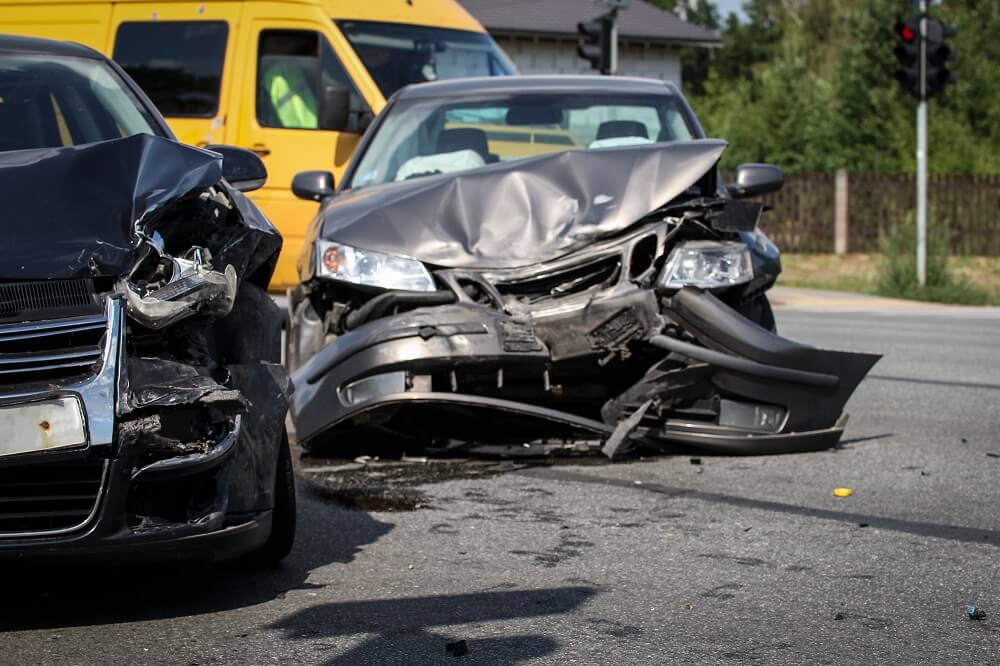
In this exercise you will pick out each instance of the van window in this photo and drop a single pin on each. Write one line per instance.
(178, 63)
(397, 55)
(294, 67)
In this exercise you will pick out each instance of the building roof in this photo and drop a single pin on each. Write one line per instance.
(558, 18)
(547, 83)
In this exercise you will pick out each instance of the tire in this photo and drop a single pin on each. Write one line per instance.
(758, 310)
(282, 536)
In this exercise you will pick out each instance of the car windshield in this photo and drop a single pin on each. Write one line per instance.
(426, 137)
(397, 54)
(58, 101)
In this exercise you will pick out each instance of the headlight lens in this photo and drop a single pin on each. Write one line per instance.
(707, 264)
(373, 269)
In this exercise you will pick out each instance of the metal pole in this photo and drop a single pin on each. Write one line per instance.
(922, 153)
(613, 65)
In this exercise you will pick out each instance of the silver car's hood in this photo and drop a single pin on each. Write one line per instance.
(517, 213)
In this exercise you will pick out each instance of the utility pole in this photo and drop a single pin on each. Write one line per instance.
(922, 153)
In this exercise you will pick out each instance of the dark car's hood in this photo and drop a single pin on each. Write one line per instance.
(517, 213)
(72, 212)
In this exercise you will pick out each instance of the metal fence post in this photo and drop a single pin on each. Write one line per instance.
(840, 213)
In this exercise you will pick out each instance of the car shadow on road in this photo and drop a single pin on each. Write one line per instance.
(417, 630)
(64, 594)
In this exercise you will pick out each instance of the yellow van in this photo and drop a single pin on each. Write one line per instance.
(296, 81)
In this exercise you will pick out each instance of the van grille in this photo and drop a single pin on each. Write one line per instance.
(55, 349)
(49, 497)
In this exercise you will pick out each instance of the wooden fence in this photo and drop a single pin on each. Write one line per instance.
(803, 219)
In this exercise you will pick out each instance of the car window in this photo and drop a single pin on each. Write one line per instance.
(424, 137)
(397, 54)
(177, 63)
(294, 67)
(58, 101)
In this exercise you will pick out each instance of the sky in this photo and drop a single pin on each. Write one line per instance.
(727, 6)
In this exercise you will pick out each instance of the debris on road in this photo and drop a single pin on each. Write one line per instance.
(992, 454)
(842, 492)
(695, 461)
(975, 613)
(457, 649)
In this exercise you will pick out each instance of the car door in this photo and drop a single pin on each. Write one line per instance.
(288, 64)
(180, 55)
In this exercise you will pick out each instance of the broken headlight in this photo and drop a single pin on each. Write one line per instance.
(707, 264)
(162, 290)
(372, 269)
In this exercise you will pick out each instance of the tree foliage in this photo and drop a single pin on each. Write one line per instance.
(808, 84)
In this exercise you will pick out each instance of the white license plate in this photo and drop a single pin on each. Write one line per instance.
(41, 426)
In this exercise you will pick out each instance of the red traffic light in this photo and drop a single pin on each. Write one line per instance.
(907, 30)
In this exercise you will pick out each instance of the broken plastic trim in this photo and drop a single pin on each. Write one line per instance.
(195, 462)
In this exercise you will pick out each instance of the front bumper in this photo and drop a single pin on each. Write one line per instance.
(136, 488)
(472, 373)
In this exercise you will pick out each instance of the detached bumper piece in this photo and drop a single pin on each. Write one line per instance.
(768, 394)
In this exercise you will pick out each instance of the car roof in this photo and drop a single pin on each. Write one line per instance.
(11, 44)
(489, 85)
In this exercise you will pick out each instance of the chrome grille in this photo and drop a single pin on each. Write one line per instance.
(55, 349)
(49, 498)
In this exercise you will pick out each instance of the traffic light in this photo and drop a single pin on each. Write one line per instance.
(600, 45)
(939, 54)
(908, 55)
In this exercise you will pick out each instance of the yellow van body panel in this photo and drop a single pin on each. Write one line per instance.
(285, 152)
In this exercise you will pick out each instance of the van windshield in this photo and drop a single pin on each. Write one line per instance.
(397, 54)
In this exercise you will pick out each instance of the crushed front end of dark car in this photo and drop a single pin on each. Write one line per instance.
(582, 296)
(142, 400)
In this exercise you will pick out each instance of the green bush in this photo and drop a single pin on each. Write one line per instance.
(896, 271)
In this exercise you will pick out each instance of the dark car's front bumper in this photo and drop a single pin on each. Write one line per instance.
(188, 474)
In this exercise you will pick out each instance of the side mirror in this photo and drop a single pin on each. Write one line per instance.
(335, 108)
(242, 168)
(313, 185)
(755, 179)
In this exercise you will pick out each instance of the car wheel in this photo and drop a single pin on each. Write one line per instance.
(758, 310)
(279, 543)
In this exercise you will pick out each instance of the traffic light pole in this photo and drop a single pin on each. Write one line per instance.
(922, 153)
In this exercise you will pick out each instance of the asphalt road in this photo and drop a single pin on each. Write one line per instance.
(736, 560)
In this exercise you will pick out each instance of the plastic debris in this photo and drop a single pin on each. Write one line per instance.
(695, 461)
(842, 492)
(975, 613)
(457, 649)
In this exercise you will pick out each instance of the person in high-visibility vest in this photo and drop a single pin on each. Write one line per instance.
(291, 95)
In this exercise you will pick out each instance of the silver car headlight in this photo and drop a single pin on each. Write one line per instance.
(369, 268)
(707, 264)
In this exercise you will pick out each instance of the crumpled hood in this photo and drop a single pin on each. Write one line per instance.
(71, 212)
(517, 213)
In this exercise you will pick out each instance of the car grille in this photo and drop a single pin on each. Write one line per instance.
(50, 350)
(40, 298)
(49, 498)
(602, 272)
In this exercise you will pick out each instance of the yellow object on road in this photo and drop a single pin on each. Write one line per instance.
(842, 492)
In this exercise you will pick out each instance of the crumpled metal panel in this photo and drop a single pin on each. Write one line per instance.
(516, 213)
(72, 212)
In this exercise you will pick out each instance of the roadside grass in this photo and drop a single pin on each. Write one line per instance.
(973, 280)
